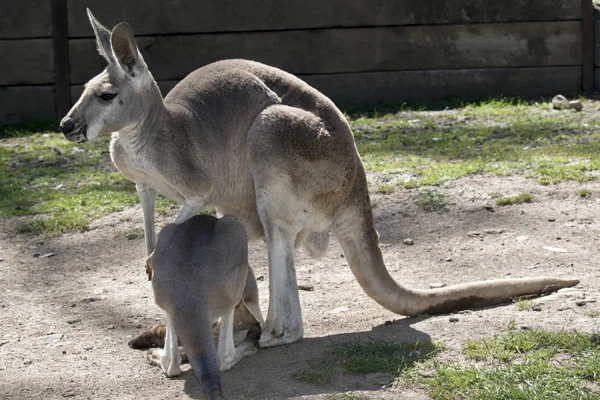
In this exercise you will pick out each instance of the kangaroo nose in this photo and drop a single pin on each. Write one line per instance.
(67, 125)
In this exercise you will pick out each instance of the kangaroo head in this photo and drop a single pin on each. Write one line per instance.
(117, 98)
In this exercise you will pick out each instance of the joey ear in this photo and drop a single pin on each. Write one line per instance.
(102, 38)
(125, 49)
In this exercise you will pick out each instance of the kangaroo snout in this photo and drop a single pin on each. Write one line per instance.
(71, 132)
(67, 125)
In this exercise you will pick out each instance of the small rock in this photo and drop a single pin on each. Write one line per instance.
(559, 102)
(489, 208)
(110, 327)
(138, 326)
(36, 255)
(387, 323)
(525, 328)
(473, 233)
(436, 285)
(408, 241)
(536, 307)
(53, 339)
(575, 105)
(260, 278)
(27, 362)
(69, 393)
(453, 319)
(48, 255)
(594, 339)
(341, 256)
(379, 378)
(551, 219)
(464, 312)
(64, 352)
(555, 249)
(448, 259)
(306, 287)
(494, 231)
(580, 303)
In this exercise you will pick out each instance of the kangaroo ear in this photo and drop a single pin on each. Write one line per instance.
(125, 49)
(102, 38)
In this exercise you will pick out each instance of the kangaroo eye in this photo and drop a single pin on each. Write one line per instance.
(108, 96)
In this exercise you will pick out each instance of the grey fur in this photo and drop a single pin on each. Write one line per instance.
(200, 273)
(260, 144)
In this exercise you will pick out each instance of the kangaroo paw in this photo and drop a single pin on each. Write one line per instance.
(154, 337)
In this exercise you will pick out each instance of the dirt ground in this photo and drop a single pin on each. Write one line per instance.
(65, 319)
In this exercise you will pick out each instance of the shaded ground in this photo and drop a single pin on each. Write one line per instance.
(65, 319)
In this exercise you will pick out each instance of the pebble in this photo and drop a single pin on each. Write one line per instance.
(559, 102)
(575, 105)
(536, 307)
(379, 378)
(473, 233)
(580, 303)
(453, 319)
(408, 241)
(260, 278)
(448, 259)
(306, 287)
(436, 285)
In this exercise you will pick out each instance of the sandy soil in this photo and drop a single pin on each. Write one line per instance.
(65, 319)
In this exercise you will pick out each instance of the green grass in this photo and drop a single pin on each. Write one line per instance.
(384, 188)
(497, 137)
(65, 185)
(523, 304)
(584, 193)
(132, 233)
(432, 200)
(512, 200)
(319, 373)
(363, 357)
(346, 396)
(528, 364)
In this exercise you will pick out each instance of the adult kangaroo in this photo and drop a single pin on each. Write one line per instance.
(257, 143)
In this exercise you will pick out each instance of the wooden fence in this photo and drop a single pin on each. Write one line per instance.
(361, 51)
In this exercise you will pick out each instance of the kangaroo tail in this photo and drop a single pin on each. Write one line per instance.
(359, 240)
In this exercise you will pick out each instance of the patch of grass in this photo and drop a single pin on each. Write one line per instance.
(65, 185)
(384, 188)
(365, 357)
(346, 396)
(432, 200)
(132, 233)
(381, 356)
(593, 313)
(512, 200)
(318, 373)
(584, 193)
(523, 304)
(497, 137)
(530, 364)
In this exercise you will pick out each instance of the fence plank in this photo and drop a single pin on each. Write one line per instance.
(28, 61)
(18, 104)
(61, 57)
(355, 50)
(374, 87)
(25, 19)
(587, 44)
(193, 16)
